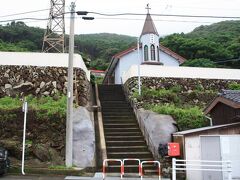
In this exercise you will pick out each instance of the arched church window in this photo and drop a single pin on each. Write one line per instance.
(145, 53)
(153, 53)
(158, 54)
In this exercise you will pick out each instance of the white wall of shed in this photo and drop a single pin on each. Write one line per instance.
(230, 149)
(192, 152)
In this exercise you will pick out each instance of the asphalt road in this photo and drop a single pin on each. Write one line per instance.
(37, 177)
(11, 177)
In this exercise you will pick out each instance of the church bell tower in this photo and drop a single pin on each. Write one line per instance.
(149, 40)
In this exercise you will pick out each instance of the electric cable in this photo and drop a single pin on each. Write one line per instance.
(28, 12)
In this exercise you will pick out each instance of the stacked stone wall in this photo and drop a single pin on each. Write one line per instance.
(42, 81)
(186, 84)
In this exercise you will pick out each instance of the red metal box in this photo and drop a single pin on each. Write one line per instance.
(173, 149)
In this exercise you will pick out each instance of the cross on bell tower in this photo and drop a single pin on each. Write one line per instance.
(148, 8)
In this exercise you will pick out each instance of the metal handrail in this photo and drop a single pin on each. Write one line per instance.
(155, 162)
(100, 126)
(139, 165)
(112, 160)
(219, 166)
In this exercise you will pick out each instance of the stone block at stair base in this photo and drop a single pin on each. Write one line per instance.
(83, 138)
(158, 127)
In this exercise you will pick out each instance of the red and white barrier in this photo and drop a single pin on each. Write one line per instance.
(139, 165)
(152, 162)
(112, 160)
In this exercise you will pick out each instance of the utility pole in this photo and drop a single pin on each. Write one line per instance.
(53, 40)
(69, 123)
(139, 69)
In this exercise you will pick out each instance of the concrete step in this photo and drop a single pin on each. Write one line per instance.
(123, 125)
(131, 162)
(129, 148)
(135, 129)
(132, 169)
(126, 143)
(113, 99)
(139, 133)
(115, 113)
(121, 138)
(119, 121)
(117, 109)
(122, 102)
(118, 116)
(129, 119)
(123, 155)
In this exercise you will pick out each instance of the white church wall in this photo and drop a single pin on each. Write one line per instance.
(147, 40)
(118, 74)
(124, 65)
(167, 60)
(182, 72)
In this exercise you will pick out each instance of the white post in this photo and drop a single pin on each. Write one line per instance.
(69, 123)
(25, 109)
(229, 168)
(139, 73)
(173, 168)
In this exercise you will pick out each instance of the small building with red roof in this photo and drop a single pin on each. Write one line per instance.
(148, 51)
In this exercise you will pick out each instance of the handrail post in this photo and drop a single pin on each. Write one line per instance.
(229, 168)
(159, 168)
(173, 168)
(103, 148)
(116, 160)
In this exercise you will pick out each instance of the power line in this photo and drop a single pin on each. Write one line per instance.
(229, 60)
(167, 15)
(28, 12)
(207, 22)
(126, 14)
(21, 19)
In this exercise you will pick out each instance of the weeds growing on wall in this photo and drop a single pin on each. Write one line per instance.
(45, 107)
(185, 107)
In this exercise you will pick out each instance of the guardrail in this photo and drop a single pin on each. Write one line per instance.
(112, 160)
(204, 165)
(139, 165)
(152, 162)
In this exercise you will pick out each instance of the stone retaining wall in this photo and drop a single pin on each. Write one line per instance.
(186, 83)
(42, 81)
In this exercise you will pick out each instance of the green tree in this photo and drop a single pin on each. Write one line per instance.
(199, 63)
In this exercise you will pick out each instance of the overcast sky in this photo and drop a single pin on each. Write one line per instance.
(128, 25)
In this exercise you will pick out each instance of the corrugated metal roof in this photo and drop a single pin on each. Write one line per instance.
(191, 131)
(233, 95)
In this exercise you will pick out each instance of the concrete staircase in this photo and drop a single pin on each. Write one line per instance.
(123, 136)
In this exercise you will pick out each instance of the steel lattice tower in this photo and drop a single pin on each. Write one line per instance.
(53, 40)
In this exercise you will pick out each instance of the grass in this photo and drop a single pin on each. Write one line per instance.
(60, 167)
(187, 118)
(46, 107)
(234, 86)
(185, 107)
(9, 103)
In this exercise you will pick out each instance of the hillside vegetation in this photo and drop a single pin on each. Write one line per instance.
(214, 43)
(205, 46)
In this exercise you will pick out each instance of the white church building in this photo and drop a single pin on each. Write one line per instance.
(149, 52)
